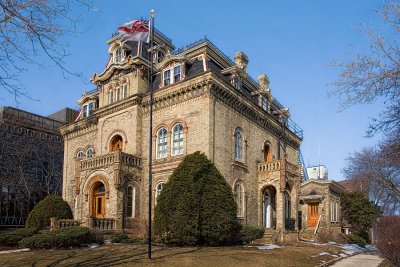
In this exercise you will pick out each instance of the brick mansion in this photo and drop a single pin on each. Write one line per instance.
(203, 101)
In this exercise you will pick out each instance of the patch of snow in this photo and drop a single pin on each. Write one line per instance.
(268, 247)
(332, 243)
(343, 255)
(324, 253)
(14, 250)
(107, 241)
(93, 245)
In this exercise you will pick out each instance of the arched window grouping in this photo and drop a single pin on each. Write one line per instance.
(118, 93)
(177, 141)
(238, 145)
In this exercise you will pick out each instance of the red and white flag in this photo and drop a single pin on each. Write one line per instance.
(135, 30)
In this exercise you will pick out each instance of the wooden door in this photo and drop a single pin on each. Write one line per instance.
(99, 206)
(313, 213)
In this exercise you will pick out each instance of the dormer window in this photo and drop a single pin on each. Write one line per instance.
(119, 55)
(236, 82)
(172, 75)
(177, 73)
(159, 56)
(88, 108)
(167, 77)
(264, 103)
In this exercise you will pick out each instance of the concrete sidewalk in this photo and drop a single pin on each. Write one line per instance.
(362, 260)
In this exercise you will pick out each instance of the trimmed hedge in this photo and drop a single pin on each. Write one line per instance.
(249, 233)
(13, 237)
(119, 238)
(51, 206)
(196, 206)
(66, 237)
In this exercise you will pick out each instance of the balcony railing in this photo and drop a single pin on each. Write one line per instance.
(269, 166)
(276, 165)
(109, 159)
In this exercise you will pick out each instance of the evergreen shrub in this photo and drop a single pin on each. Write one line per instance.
(196, 206)
(13, 237)
(356, 239)
(119, 238)
(51, 206)
(67, 237)
(249, 233)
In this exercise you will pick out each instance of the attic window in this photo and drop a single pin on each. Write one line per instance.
(236, 82)
(172, 75)
(119, 55)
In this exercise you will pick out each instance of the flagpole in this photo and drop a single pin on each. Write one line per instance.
(151, 129)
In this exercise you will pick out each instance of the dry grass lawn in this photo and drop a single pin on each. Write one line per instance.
(136, 255)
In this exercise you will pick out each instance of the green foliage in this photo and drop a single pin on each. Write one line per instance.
(196, 206)
(249, 233)
(119, 238)
(51, 206)
(12, 238)
(66, 237)
(359, 212)
(355, 239)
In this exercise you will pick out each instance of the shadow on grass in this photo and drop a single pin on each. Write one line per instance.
(114, 256)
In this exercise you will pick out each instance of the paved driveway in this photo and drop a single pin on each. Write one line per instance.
(364, 260)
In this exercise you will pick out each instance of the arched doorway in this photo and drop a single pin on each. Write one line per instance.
(98, 200)
(267, 152)
(116, 143)
(269, 207)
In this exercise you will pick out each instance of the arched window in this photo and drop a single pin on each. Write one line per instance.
(89, 153)
(287, 206)
(110, 97)
(267, 152)
(159, 188)
(239, 198)
(238, 145)
(177, 139)
(116, 143)
(130, 201)
(124, 90)
(162, 143)
(118, 93)
(79, 154)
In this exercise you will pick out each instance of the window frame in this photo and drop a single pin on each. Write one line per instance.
(130, 201)
(92, 152)
(78, 153)
(173, 77)
(177, 137)
(239, 198)
(238, 138)
(158, 189)
(162, 143)
(119, 55)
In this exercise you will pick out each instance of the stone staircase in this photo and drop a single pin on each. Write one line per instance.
(308, 234)
(268, 238)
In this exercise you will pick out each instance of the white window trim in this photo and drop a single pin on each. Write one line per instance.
(133, 200)
(157, 144)
(172, 74)
(158, 192)
(77, 154)
(173, 152)
(123, 55)
(87, 152)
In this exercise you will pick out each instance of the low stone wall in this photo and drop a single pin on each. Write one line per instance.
(138, 228)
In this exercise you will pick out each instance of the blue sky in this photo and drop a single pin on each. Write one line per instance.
(293, 42)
